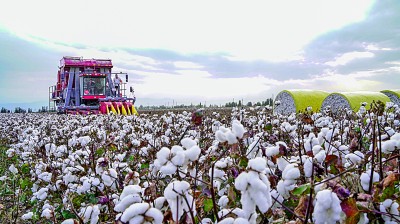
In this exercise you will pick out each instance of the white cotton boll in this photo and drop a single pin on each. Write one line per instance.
(68, 221)
(391, 207)
(109, 177)
(134, 210)
(127, 201)
(41, 194)
(228, 220)
(276, 197)
(395, 137)
(272, 151)
(47, 213)
(365, 178)
(320, 156)
(159, 202)
(27, 216)
(327, 208)
(241, 182)
(187, 143)
(238, 129)
(291, 172)
(12, 169)
(316, 149)
(355, 158)
(231, 138)
(259, 164)
(129, 190)
(308, 167)
(84, 140)
(241, 221)
(168, 169)
(389, 146)
(220, 136)
(179, 158)
(163, 155)
(193, 153)
(206, 221)
(45, 176)
(282, 163)
(223, 201)
(156, 214)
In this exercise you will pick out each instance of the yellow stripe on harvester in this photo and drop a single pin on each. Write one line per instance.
(134, 110)
(123, 110)
(113, 109)
(108, 111)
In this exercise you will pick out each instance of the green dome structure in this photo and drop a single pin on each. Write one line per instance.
(352, 100)
(294, 101)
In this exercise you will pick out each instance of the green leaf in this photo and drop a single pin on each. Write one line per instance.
(268, 127)
(92, 198)
(25, 183)
(25, 169)
(303, 189)
(67, 214)
(243, 162)
(100, 151)
(208, 205)
(144, 166)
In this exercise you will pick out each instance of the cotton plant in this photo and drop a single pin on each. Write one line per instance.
(390, 210)
(90, 214)
(326, 207)
(290, 175)
(365, 179)
(232, 135)
(179, 198)
(254, 187)
(141, 213)
(131, 194)
(219, 176)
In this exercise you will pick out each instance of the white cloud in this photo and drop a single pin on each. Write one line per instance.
(348, 57)
(270, 30)
(186, 65)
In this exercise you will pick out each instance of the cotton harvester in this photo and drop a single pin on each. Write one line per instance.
(86, 86)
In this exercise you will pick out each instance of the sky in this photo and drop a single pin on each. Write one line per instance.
(183, 52)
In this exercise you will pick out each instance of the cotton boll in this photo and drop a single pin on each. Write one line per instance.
(223, 201)
(163, 155)
(282, 163)
(272, 151)
(168, 169)
(327, 207)
(179, 158)
(320, 156)
(365, 178)
(156, 215)
(389, 146)
(12, 169)
(238, 129)
(220, 136)
(355, 158)
(134, 210)
(259, 164)
(187, 143)
(193, 153)
(391, 207)
(308, 167)
(47, 213)
(231, 138)
(27, 216)
(159, 203)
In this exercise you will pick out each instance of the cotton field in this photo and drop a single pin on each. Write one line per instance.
(239, 165)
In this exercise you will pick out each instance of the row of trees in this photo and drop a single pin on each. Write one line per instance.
(267, 102)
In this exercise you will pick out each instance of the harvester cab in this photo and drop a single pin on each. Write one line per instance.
(88, 86)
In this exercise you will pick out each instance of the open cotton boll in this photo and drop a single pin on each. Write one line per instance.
(389, 146)
(282, 163)
(259, 164)
(27, 216)
(168, 169)
(130, 190)
(12, 169)
(223, 201)
(327, 208)
(187, 143)
(179, 158)
(231, 138)
(355, 158)
(84, 140)
(291, 172)
(134, 210)
(159, 203)
(272, 151)
(391, 207)
(162, 155)
(238, 129)
(109, 177)
(155, 214)
(47, 213)
(193, 153)
(308, 167)
(220, 136)
(365, 178)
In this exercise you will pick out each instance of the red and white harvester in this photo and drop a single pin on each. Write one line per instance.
(86, 86)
